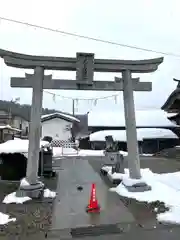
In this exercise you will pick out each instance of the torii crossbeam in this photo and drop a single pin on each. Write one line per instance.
(85, 65)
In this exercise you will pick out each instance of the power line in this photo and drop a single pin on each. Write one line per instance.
(88, 38)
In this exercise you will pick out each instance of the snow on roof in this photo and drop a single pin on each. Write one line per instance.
(59, 115)
(10, 128)
(142, 133)
(17, 146)
(172, 114)
(144, 118)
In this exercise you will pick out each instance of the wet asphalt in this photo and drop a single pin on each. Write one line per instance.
(134, 220)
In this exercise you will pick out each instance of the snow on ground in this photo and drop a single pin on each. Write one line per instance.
(59, 152)
(91, 152)
(123, 153)
(24, 182)
(165, 188)
(107, 168)
(49, 194)
(12, 198)
(4, 219)
(146, 154)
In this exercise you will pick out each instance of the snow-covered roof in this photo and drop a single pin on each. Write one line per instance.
(17, 146)
(144, 118)
(142, 133)
(64, 116)
(10, 128)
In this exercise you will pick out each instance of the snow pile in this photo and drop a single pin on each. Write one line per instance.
(123, 153)
(49, 194)
(8, 127)
(24, 182)
(17, 146)
(165, 188)
(12, 198)
(4, 219)
(142, 133)
(107, 168)
(130, 182)
(147, 154)
(59, 151)
(91, 152)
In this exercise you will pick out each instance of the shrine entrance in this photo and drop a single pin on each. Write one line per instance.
(85, 65)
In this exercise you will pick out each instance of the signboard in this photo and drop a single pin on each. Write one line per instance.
(85, 68)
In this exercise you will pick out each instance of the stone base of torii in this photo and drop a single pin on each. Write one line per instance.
(85, 65)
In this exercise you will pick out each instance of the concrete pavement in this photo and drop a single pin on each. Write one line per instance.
(160, 234)
(131, 220)
(70, 205)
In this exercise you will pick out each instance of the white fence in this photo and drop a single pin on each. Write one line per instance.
(67, 147)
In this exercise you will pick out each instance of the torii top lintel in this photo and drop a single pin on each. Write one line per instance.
(70, 64)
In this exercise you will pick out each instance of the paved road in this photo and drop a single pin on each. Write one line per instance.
(70, 206)
(136, 220)
(160, 234)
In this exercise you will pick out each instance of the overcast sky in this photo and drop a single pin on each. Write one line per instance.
(152, 24)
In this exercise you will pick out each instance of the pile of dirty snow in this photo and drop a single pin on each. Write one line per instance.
(12, 198)
(164, 188)
(4, 219)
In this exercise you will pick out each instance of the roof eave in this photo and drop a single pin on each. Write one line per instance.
(170, 100)
(60, 117)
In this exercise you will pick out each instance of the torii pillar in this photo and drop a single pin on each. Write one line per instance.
(85, 65)
(130, 120)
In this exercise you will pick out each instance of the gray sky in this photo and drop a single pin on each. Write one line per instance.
(149, 24)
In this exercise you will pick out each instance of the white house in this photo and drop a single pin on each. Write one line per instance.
(58, 126)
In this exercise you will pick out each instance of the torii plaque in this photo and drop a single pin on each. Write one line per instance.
(85, 65)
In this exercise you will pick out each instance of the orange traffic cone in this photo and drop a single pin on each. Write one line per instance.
(93, 206)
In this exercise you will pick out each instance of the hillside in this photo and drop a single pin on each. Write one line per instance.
(21, 110)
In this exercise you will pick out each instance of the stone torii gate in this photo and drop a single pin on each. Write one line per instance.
(85, 65)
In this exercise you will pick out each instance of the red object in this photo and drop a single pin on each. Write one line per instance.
(93, 206)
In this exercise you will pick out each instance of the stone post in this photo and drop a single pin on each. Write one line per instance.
(130, 119)
(35, 126)
(131, 133)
